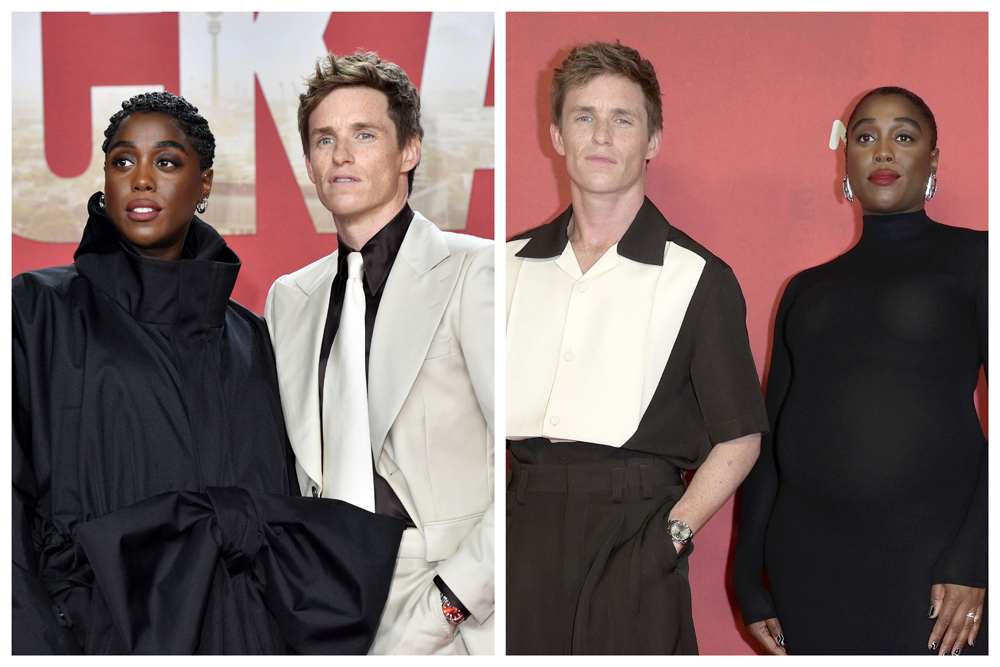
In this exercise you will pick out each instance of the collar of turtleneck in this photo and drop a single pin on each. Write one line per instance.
(895, 226)
(192, 292)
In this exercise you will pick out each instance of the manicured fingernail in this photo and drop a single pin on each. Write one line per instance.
(932, 646)
(931, 612)
(972, 642)
(781, 639)
(958, 651)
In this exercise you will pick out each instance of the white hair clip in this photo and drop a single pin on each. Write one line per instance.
(837, 134)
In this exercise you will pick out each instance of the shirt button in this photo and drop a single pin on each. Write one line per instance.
(569, 356)
(315, 492)
(554, 420)
(582, 287)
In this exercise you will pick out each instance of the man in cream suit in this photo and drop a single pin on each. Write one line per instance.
(384, 352)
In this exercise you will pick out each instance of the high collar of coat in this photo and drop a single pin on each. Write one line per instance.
(191, 293)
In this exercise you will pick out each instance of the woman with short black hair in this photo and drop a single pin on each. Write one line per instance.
(151, 473)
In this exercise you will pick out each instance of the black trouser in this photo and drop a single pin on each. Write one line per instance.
(590, 567)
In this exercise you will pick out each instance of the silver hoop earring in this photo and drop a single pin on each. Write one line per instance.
(202, 205)
(931, 187)
(100, 202)
(848, 193)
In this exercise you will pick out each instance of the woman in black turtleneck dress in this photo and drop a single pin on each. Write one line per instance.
(868, 504)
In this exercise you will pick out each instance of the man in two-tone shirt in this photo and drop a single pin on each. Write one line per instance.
(628, 362)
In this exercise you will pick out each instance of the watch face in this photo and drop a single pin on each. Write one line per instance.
(679, 531)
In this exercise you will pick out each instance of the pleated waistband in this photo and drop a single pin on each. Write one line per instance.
(615, 476)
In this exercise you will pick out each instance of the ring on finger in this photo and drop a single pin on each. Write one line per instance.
(973, 615)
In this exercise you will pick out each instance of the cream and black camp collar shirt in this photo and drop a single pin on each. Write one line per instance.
(648, 349)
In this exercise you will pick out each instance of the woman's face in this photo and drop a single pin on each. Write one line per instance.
(889, 156)
(152, 183)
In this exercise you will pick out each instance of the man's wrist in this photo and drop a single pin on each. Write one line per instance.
(679, 531)
(451, 613)
(451, 607)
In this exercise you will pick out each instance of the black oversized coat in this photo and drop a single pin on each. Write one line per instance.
(151, 473)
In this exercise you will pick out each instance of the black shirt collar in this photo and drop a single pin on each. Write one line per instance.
(643, 241)
(380, 251)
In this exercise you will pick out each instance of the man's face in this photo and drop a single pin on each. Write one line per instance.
(604, 135)
(354, 159)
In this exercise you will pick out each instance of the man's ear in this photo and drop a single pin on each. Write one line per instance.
(309, 170)
(557, 142)
(655, 141)
(411, 153)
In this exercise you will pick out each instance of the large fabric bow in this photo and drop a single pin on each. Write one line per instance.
(322, 567)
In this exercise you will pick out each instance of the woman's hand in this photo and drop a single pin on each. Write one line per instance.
(959, 612)
(769, 635)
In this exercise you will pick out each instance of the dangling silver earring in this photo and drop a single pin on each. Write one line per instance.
(100, 202)
(848, 193)
(202, 205)
(931, 187)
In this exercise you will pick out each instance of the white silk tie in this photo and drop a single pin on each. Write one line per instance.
(347, 449)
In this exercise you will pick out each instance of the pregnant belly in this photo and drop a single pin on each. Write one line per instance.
(863, 441)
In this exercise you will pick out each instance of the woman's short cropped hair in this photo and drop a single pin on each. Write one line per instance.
(902, 92)
(184, 114)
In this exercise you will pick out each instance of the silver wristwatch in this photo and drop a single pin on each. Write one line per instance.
(679, 531)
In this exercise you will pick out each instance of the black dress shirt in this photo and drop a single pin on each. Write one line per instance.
(378, 254)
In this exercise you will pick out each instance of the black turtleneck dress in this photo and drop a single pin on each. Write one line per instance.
(151, 473)
(872, 485)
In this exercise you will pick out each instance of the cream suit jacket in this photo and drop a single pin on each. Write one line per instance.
(430, 397)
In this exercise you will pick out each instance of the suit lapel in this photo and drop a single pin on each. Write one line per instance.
(304, 314)
(417, 291)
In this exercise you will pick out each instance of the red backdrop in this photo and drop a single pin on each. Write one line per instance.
(286, 238)
(746, 168)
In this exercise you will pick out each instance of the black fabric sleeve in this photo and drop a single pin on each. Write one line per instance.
(761, 485)
(723, 373)
(443, 587)
(964, 562)
(982, 308)
(35, 622)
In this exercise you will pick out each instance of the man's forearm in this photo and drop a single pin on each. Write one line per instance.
(716, 480)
